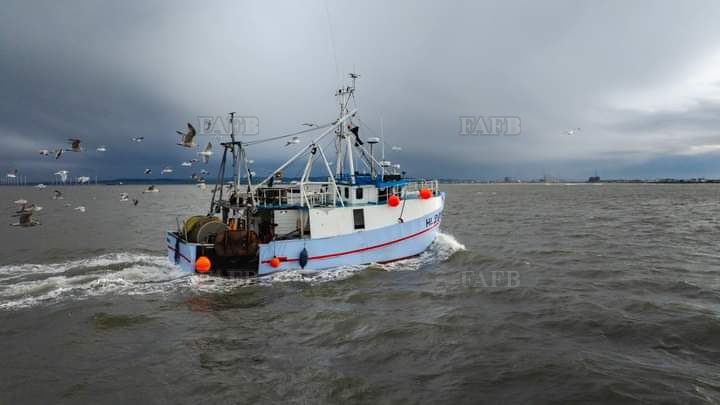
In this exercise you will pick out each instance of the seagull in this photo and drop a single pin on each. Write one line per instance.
(310, 124)
(194, 176)
(124, 197)
(12, 173)
(151, 189)
(186, 163)
(74, 145)
(80, 208)
(204, 172)
(396, 148)
(186, 139)
(206, 153)
(138, 139)
(101, 148)
(193, 160)
(135, 201)
(148, 171)
(59, 152)
(202, 186)
(44, 152)
(83, 179)
(40, 186)
(63, 175)
(166, 169)
(25, 218)
(294, 139)
(572, 131)
(20, 201)
(57, 195)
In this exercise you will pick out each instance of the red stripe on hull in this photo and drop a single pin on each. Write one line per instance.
(349, 252)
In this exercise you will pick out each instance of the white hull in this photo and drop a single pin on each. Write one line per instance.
(380, 244)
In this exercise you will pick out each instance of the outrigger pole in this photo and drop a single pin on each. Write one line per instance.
(308, 147)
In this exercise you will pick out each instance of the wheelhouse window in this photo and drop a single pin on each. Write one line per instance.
(347, 192)
(359, 193)
(359, 218)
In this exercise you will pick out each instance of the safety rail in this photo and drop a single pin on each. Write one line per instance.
(413, 187)
(310, 194)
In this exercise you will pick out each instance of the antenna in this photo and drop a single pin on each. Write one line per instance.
(382, 140)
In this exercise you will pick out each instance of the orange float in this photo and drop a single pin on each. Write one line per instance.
(393, 201)
(275, 262)
(425, 193)
(202, 264)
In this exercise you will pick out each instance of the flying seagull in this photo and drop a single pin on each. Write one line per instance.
(294, 140)
(148, 172)
(74, 145)
(396, 148)
(101, 148)
(12, 173)
(59, 152)
(186, 163)
(135, 201)
(40, 186)
(80, 208)
(206, 153)
(83, 179)
(63, 175)
(44, 152)
(138, 139)
(572, 131)
(204, 172)
(25, 215)
(124, 197)
(57, 195)
(186, 138)
(166, 169)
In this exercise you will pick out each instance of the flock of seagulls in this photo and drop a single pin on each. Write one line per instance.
(25, 210)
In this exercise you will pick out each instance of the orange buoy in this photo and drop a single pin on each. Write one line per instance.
(393, 201)
(202, 264)
(275, 262)
(425, 193)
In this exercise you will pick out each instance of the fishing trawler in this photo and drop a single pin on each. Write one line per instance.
(364, 211)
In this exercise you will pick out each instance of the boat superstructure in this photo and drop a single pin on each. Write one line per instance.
(363, 211)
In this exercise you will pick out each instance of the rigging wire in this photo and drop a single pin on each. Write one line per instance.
(338, 80)
(275, 138)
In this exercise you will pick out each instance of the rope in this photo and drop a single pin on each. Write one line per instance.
(288, 135)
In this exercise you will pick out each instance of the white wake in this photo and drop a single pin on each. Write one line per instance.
(28, 285)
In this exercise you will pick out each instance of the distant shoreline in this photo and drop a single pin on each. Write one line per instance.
(180, 182)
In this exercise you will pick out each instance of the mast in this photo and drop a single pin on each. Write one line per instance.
(344, 142)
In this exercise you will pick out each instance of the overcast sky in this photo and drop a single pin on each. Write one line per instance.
(640, 78)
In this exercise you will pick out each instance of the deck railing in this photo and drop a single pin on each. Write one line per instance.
(322, 194)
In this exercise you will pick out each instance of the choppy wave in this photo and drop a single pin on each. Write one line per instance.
(28, 285)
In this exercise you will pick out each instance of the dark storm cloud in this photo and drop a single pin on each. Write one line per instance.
(107, 71)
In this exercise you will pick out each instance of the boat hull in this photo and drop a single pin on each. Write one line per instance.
(386, 244)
